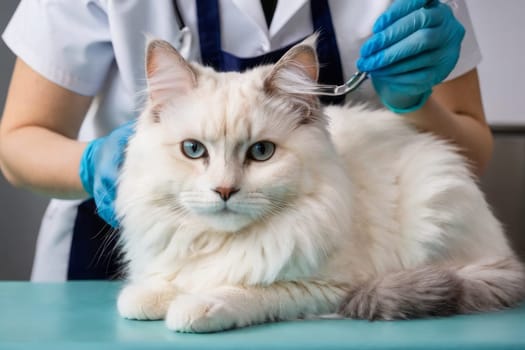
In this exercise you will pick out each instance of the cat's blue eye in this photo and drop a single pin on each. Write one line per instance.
(261, 151)
(193, 149)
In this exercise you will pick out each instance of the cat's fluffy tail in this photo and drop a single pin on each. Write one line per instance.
(439, 291)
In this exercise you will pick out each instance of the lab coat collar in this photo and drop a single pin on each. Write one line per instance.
(253, 10)
(285, 10)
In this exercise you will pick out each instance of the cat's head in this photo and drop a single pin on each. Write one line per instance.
(231, 150)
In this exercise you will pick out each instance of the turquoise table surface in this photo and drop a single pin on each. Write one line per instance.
(82, 315)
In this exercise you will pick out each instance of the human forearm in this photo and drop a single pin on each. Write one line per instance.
(38, 159)
(38, 129)
(472, 136)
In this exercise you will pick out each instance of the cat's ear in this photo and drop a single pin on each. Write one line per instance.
(295, 75)
(298, 63)
(167, 73)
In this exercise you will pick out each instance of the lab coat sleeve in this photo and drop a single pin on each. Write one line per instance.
(470, 55)
(66, 41)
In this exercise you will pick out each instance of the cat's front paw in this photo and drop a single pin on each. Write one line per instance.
(145, 302)
(202, 314)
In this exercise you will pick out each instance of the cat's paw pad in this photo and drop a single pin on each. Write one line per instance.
(145, 303)
(200, 314)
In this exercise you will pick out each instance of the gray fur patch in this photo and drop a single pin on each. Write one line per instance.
(438, 291)
(406, 294)
(492, 285)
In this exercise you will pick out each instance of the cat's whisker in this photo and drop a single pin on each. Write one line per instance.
(108, 249)
(164, 199)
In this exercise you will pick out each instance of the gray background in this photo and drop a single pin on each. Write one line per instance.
(20, 211)
(498, 28)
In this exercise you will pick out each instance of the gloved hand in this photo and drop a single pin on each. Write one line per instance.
(99, 169)
(412, 49)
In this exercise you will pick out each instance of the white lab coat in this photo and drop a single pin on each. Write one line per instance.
(96, 47)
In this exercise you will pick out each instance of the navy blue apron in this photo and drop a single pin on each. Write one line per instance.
(93, 253)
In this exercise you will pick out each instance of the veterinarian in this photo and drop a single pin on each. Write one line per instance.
(77, 83)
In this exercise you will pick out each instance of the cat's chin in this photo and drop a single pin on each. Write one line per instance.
(227, 221)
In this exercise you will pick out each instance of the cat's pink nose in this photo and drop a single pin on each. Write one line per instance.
(226, 192)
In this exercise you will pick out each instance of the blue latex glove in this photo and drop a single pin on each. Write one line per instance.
(99, 169)
(412, 49)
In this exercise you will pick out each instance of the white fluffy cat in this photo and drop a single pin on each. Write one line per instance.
(243, 201)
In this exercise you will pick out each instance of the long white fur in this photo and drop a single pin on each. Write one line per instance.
(334, 207)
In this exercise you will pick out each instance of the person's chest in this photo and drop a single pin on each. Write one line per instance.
(243, 29)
